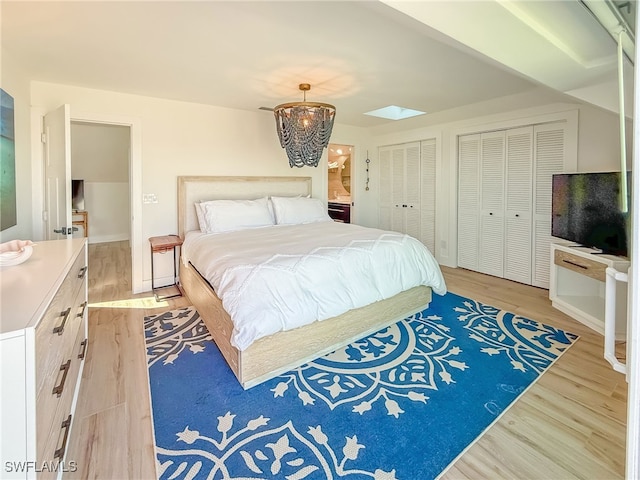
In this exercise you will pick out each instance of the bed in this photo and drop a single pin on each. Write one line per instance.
(256, 360)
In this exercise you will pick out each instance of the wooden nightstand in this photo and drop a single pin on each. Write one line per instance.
(163, 245)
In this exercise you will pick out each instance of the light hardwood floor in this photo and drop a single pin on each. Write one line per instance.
(570, 424)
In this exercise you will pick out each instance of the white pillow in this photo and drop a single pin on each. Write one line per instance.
(202, 222)
(231, 215)
(297, 210)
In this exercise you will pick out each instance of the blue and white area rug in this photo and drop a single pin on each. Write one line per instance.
(400, 404)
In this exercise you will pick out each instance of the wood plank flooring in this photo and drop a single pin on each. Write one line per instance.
(568, 425)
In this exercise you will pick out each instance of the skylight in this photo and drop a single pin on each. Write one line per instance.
(393, 112)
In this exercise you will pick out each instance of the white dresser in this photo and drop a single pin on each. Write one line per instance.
(43, 342)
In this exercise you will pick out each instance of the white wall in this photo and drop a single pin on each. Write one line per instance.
(180, 138)
(16, 83)
(99, 152)
(107, 204)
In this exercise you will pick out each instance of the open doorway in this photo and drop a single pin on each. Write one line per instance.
(100, 175)
(339, 182)
(100, 187)
(60, 140)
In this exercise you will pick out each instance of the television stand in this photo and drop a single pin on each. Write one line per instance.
(577, 286)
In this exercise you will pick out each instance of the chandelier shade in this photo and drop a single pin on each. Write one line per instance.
(304, 129)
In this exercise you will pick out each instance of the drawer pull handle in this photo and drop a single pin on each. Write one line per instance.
(575, 264)
(84, 307)
(82, 272)
(66, 425)
(83, 344)
(60, 328)
(339, 210)
(57, 390)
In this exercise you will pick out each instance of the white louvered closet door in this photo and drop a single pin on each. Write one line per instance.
(400, 188)
(428, 194)
(549, 158)
(468, 200)
(411, 204)
(398, 155)
(492, 165)
(386, 205)
(518, 203)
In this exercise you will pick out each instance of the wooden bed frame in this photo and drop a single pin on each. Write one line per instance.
(273, 355)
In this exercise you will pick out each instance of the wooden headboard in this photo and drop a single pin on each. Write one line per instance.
(201, 188)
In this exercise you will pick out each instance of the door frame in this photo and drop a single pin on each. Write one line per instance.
(352, 173)
(135, 179)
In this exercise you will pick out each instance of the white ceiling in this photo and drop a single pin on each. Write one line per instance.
(360, 55)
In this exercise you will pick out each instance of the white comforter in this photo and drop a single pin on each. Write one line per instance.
(281, 277)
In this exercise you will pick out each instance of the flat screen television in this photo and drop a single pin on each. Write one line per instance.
(586, 210)
(77, 195)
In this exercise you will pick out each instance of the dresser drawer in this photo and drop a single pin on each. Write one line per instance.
(56, 441)
(50, 329)
(581, 265)
(59, 383)
(55, 339)
(340, 212)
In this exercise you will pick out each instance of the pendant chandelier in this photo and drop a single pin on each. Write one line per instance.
(304, 129)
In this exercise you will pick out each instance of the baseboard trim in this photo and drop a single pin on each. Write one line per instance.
(109, 238)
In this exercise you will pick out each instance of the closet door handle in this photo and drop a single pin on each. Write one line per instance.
(490, 213)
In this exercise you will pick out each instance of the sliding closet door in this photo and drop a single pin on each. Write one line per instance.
(492, 166)
(518, 202)
(468, 201)
(549, 158)
(428, 194)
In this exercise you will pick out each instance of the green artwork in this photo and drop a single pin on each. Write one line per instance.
(8, 212)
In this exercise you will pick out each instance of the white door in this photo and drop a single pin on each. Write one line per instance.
(386, 174)
(411, 204)
(428, 194)
(57, 171)
(491, 242)
(549, 157)
(398, 161)
(518, 201)
(468, 201)
(400, 188)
